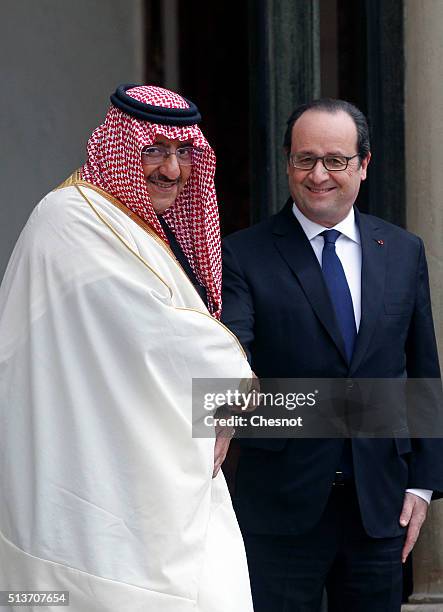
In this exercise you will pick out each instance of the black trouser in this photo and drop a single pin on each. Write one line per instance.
(361, 574)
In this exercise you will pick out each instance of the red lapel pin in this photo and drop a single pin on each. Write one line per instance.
(380, 242)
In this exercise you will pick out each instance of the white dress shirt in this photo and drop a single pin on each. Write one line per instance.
(348, 249)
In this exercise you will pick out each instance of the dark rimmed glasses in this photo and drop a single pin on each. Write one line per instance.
(186, 156)
(331, 163)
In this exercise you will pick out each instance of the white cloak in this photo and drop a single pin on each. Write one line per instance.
(103, 491)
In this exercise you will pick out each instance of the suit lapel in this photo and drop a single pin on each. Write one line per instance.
(293, 245)
(374, 257)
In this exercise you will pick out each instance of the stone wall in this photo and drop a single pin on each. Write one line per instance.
(59, 61)
(424, 172)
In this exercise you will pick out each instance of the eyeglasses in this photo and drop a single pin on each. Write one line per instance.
(332, 163)
(186, 156)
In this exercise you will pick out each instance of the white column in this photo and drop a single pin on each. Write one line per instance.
(424, 165)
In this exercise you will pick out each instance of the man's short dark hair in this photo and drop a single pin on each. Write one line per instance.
(332, 105)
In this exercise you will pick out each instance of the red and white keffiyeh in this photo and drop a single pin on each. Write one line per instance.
(114, 164)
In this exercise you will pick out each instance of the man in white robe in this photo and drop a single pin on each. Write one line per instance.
(103, 490)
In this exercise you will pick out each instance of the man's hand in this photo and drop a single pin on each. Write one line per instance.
(222, 441)
(253, 398)
(412, 515)
(224, 435)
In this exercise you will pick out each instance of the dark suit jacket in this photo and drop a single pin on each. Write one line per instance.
(276, 302)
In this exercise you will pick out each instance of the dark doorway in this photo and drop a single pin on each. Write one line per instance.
(361, 55)
(213, 71)
(361, 60)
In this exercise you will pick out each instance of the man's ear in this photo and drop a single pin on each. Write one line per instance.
(364, 166)
(286, 154)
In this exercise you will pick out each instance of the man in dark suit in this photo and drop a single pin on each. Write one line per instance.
(322, 291)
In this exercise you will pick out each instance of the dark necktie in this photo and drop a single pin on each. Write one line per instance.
(339, 292)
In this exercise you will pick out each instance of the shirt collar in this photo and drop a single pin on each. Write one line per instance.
(348, 226)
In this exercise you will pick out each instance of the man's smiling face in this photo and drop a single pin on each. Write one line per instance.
(165, 180)
(325, 197)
